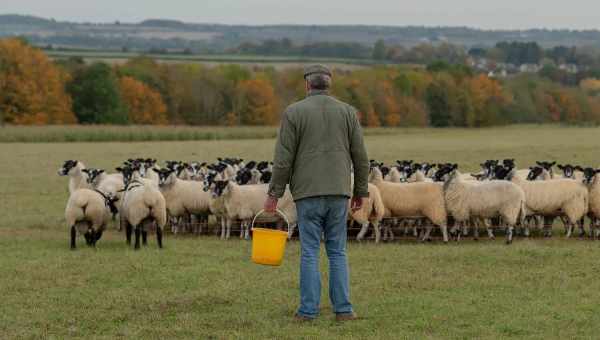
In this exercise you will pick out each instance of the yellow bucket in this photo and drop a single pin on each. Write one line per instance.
(268, 246)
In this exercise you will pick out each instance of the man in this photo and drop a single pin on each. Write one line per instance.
(320, 140)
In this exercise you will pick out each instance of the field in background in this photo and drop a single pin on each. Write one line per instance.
(278, 62)
(142, 133)
(205, 288)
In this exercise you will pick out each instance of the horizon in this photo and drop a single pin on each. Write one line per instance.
(509, 15)
(139, 21)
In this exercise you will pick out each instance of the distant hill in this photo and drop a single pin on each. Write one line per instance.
(216, 38)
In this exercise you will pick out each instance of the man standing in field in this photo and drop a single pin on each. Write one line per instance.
(320, 140)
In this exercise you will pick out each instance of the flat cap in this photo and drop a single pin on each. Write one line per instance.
(316, 68)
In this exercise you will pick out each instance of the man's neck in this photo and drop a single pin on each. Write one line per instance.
(313, 92)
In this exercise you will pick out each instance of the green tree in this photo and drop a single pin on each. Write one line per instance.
(96, 97)
(438, 102)
(379, 51)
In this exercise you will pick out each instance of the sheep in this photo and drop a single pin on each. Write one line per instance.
(553, 197)
(108, 183)
(371, 212)
(77, 178)
(592, 180)
(243, 202)
(88, 212)
(488, 199)
(184, 198)
(412, 199)
(143, 207)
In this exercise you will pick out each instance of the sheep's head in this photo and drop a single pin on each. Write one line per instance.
(501, 172)
(210, 179)
(243, 176)
(165, 176)
(67, 167)
(265, 176)
(445, 173)
(589, 174)
(262, 166)
(509, 163)
(93, 174)
(535, 172)
(219, 188)
(546, 165)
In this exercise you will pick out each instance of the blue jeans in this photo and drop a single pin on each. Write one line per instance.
(326, 214)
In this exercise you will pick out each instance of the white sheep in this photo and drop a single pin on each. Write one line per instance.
(413, 199)
(88, 212)
(489, 199)
(592, 180)
(243, 202)
(371, 212)
(77, 178)
(143, 208)
(555, 197)
(184, 198)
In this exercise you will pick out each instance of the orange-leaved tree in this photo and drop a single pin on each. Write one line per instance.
(32, 88)
(256, 103)
(144, 105)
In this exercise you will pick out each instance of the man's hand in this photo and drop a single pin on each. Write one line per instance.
(356, 203)
(270, 204)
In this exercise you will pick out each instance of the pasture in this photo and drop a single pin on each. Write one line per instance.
(202, 287)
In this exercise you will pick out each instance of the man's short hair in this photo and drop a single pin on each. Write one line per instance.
(319, 81)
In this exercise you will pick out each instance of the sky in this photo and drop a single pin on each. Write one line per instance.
(486, 14)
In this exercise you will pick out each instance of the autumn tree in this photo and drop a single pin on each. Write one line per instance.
(256, 103)
(32, 88)
(144, 105)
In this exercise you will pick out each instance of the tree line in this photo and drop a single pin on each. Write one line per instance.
(37, 90)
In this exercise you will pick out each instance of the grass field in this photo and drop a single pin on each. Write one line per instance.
(206, 288)
(278, 62)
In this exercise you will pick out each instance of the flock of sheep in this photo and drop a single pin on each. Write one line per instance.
(407, 195)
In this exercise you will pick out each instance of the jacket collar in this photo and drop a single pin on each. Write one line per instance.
(317, 92)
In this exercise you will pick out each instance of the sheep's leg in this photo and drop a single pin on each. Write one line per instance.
(88, 238)
(223, 228)
(570, 228)
(159, 237)
(416, 226)
(247, 230)
(128, 230)
(363, 231)
(73, 238)
(137, 237)
(490, 232)
(509, 234)
(145, 237)
(444, 229)
(98, 236)
(228, 229)
(581, 225)
(476, 231)
(291, 231)
(377, 231)
(426, 234)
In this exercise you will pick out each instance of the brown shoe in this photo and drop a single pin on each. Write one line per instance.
(346, 317)
(302, 318)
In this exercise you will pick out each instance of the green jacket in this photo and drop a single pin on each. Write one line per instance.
(319, 141)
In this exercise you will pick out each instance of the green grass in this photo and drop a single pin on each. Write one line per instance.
(205, 288)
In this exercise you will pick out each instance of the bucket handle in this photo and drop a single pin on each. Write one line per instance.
(279, 212)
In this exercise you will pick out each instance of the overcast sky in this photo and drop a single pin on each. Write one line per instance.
(497, 14)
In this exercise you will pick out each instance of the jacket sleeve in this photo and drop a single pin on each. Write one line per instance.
(285, 155)
(360, 161)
